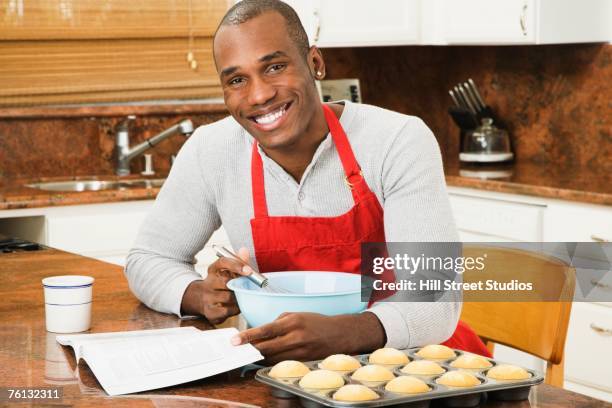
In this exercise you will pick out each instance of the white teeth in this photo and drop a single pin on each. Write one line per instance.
(272, 116)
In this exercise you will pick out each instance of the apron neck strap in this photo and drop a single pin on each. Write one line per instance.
(352, 172)
(257, 184)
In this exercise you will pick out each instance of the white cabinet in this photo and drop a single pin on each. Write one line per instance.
(499, 21)
(494, 219)
(525, 21)
(100, 231)
(589, 348)
(578, 222)
(352, 23)
(345, 23)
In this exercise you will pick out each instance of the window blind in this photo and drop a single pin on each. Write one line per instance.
(85, 51)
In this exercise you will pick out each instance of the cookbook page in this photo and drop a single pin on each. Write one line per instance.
(144, 362)
(77, 341)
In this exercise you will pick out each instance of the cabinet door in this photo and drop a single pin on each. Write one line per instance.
(108, 230)
(352, 23)
(589, 342)
(485, 219)
(569, 222)
(367, 23)
(487, 21)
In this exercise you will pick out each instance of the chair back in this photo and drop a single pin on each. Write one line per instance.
(536, 327)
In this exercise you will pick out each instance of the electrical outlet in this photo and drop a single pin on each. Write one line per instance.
(340, 89)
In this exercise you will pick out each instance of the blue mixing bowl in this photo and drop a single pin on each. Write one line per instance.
(328, 293)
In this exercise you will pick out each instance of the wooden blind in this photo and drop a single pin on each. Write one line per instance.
(84, 51)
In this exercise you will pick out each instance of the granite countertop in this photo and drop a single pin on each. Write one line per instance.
(550, 181)
(15, 195)
(574, 184)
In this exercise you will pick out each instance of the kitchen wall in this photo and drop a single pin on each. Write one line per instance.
(556, 99)
(79, 141)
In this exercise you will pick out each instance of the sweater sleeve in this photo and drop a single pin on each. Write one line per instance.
(416, 209)
(160, 264)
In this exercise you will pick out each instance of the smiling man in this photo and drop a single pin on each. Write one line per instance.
(299, 185)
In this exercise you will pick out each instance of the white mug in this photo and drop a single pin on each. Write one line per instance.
(68, 303)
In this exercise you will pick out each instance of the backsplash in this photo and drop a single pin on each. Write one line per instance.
(48, 142)
(556, 99)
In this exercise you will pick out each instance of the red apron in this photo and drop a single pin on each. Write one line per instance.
(284, 243)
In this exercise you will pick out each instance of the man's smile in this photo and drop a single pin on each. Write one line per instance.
(270, 119)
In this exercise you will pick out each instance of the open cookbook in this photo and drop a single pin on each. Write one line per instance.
(127, 362)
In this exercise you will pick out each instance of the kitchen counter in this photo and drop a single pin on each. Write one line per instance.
(573, 184)
(30, 357)
(15, 195)
(552, 181)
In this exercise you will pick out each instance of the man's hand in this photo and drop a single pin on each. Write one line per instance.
(311, 336)
(210, 297)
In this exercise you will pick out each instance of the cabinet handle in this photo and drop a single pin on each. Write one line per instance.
(600, 285)
(601, 330)
(318, 27)
(598, 239)
(523, 20)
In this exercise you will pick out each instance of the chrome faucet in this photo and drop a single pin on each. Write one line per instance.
(124, 154)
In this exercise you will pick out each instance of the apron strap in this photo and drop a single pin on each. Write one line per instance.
(260, 207)
(353, 176)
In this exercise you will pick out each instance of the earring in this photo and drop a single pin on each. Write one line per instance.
(319, 74)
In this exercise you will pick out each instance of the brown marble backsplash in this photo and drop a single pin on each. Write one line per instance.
(556, 100)
(48, 142)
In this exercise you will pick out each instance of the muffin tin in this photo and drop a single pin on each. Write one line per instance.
(507, 390)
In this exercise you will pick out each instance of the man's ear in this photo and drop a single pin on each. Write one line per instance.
(316, 63)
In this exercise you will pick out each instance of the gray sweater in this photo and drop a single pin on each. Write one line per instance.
(210, 185)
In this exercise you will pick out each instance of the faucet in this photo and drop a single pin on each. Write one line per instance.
(124, 154)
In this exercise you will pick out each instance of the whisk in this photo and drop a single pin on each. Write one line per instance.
(255, 277)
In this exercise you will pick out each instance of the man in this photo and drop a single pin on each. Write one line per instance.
(293, 194)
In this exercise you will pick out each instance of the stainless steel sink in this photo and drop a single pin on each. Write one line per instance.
(97, 185)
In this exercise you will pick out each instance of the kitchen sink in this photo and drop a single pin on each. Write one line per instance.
(97, 185)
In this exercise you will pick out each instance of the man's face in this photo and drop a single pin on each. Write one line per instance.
(268, 86)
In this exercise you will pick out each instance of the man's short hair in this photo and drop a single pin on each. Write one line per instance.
(247, 9)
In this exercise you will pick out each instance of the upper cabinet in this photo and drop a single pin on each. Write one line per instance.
(486, 21)
(525, 21)
(346, 23)
(358, 23)
(390, 22)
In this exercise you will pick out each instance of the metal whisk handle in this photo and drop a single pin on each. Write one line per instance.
(255, 277)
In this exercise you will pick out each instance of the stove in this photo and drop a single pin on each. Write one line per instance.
(10, 245)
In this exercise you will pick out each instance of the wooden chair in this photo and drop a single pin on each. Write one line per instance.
(536, 327)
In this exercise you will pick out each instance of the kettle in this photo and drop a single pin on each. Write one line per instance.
(486, 144)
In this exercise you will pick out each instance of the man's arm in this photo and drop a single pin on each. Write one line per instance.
(417, 209)
(160, 266)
